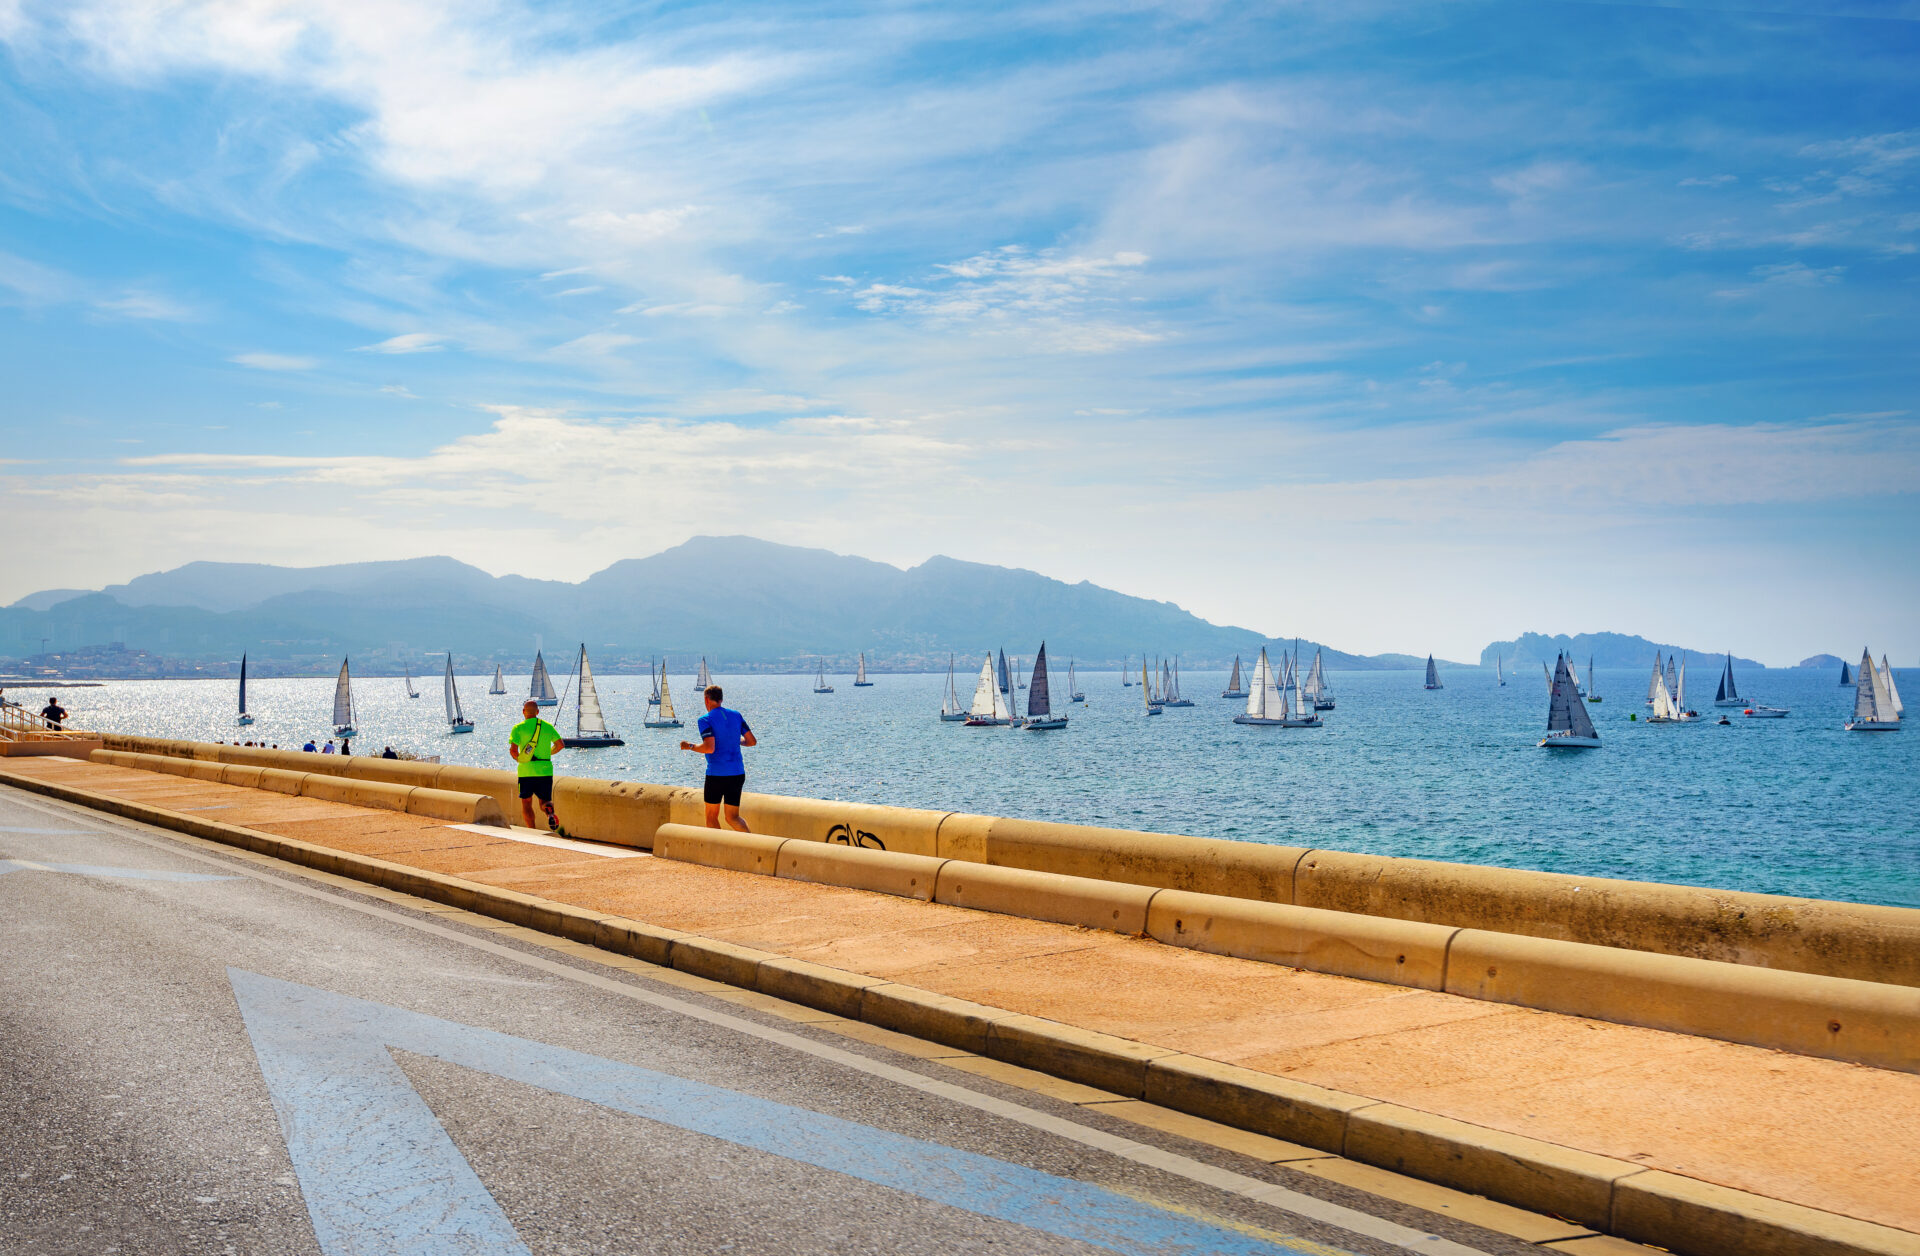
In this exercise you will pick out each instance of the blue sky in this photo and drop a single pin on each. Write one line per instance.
(1401, 327)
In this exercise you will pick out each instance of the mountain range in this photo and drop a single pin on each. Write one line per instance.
(739, 601)
(743, 603)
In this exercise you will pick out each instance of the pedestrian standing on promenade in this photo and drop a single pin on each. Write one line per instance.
(310, 748)
(346, 745)
(53, 713)
(328, 748)
(723, 732)
(532, 744)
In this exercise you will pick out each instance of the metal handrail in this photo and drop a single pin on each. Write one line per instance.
(17, 723)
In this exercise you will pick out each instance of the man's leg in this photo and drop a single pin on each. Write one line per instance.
(733, 818)
(713, 815)
(526, 809)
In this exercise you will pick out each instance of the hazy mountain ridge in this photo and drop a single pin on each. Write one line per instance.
(1606, 649)
(737, 600)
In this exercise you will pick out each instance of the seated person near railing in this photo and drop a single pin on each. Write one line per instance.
(53, 713)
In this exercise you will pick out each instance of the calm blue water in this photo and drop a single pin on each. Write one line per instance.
(1793, 806)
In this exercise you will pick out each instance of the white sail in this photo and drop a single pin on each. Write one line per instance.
(985, 694)
(343, 699)
(1257, 693)
(1653, 682)
(1565, 712)
(860, 676)
(1548, 673)
(1663, 707)
(666, 696)
(1499, 672)
(541, 688)
(1866, 696)
(588, 721)
(411, 691)
(1146, 685)
(1893, 691)
(950, 705)
(499, 680)
(452, 695)
(1680, 691)
(705, 678)
(1673, 682)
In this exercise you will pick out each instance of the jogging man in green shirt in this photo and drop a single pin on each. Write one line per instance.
(532, 744)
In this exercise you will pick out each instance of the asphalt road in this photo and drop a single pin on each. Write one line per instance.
(202, 1055)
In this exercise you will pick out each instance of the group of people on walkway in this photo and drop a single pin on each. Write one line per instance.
(723, 731)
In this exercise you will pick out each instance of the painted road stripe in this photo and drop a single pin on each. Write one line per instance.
(379, 1172)
(5, 828)
(296, 879)
(91, 870)
(532, 838)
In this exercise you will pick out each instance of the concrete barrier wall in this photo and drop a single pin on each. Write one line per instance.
(1868, 943)
(439, 804)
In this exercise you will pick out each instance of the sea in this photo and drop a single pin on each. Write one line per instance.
(1794, 806)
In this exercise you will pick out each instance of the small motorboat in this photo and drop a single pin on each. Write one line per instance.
(1765, 713)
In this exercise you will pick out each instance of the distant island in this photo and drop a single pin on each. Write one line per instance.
(1606, 649)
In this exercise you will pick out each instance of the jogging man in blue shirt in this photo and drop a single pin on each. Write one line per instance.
(723, 732)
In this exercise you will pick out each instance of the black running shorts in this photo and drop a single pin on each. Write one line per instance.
(725, 789)
(540, 787)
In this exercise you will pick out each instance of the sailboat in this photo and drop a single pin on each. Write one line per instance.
(653, 674)
(1073, 685)
(1321, 692)
(1146, 689)
(1006, 678)
(1173, 697)
(1653, 682)
(1673, 681)
(1727, 695)
(664, 717)
(989, 705)
(1845, 678)
(1569, 727)
(244, 717)
(1876, 704)
(1499, 672)
(860, 680)
(411, 691)
(1126, 674)
(343, 704)
(1590, 695)
(589, 724)
(1040, 716)
(1266, 700)
(1233, 689)
(820, 684)
(457, 721)
(1874, 700)
(705, 677)
(1433, 675)
(1899, 708)
(541, 688)
(1299, 710)
(499, 680)
(1670, 706)
(950, 709)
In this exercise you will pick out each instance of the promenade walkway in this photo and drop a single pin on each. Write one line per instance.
(1834, 1136)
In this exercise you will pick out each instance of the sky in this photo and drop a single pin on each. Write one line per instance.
(1401, 327)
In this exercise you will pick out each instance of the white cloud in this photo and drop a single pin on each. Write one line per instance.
(274, 361)
(408, 342)
(145, 305)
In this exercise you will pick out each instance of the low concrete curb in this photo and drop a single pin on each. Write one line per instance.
(420, 800)
(1836, 1018)
(1613, 1196)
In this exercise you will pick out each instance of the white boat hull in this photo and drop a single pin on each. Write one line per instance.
(1873, 726)
(546, 702)
(460, 728)
(1766, 713)
(1258, 722)
(1565, 741)
(952, 717)
(663, 724)
(1673, 719)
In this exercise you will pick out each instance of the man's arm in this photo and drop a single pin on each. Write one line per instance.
(747, 738)
(704, 747)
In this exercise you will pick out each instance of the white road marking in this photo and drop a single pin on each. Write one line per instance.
(1280, 1197)
(531, 838)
